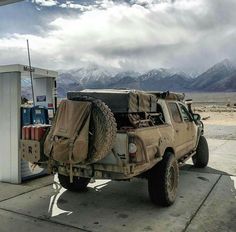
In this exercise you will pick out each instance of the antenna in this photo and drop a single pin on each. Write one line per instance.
(30, 69)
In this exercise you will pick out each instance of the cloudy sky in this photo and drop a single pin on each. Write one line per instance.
(188, 35)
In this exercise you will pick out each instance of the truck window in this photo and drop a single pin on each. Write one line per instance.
(161, 116)
(185, 113)
(175, 112)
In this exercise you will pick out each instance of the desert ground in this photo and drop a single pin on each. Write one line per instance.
(219, 118)
(218, 113)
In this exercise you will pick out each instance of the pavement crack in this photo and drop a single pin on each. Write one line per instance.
(28, 191)
(209, 172)
(200, 206)
(45, 220)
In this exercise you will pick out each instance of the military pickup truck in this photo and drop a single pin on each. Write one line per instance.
(121, 134)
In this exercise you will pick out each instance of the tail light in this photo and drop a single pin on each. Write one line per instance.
(132, 152)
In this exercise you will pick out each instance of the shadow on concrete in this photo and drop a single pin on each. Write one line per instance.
(189, 167)
(124, 206)
(218, 211)
(205, 202)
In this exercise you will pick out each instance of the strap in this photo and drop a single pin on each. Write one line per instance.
(50, 158)
(71, 146)
(150, 103)
(138, 102)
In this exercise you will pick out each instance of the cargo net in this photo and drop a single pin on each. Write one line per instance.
(169, 95)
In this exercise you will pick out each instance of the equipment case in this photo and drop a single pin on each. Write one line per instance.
(120, 101)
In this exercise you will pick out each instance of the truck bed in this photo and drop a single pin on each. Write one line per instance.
(151, 143)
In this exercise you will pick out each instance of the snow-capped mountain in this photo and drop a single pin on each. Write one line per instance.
(124, 74)
(214, 77)
(156, 74)
(90, 74)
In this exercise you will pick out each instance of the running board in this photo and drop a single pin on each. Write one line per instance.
(182, 161)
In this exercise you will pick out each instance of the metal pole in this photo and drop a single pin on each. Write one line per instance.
(31, 76)
(55, 95)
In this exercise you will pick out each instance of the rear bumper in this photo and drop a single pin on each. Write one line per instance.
(100, 171)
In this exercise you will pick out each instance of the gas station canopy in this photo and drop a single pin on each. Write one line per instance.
(24, 70)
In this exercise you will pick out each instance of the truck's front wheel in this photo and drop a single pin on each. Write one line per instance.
(163, 181)
(79, 183)
(201, 158)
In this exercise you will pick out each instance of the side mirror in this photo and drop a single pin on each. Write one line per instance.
(196, 117)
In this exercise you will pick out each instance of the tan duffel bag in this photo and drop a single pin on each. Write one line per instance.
(68, 138)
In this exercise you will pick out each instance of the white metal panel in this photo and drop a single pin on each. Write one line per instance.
(10, 127)
(44, 87)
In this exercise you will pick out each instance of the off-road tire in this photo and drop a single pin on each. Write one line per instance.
(103, 130)
(163, 181)
(201, 158)
(79, 183)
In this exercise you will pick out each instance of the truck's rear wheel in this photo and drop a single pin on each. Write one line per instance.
(163, 181)
(79, 183)
(201, 158)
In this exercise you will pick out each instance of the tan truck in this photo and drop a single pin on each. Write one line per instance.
(121, 134)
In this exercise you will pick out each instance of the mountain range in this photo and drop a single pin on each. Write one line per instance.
(221, 77)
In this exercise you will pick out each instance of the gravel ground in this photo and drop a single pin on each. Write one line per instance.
(220, 121)
(225, 132)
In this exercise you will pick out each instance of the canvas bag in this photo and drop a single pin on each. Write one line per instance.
(141, 102)
(68, 138)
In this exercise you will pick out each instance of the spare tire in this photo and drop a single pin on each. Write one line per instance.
(102, 129)
(102, 133)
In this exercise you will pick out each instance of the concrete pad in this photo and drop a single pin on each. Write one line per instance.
(226, 148)
(12, 190)
(15, 222)
(116, 206)
(214, 144)
(222, 158)
(39, 182)
(219, 210)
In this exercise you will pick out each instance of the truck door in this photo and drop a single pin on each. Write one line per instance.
(191, 129)
(179, 128)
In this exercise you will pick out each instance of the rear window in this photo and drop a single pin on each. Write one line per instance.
(174, 110)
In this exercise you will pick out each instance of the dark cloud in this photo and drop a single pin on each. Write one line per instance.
(30, 18)
(137, 34)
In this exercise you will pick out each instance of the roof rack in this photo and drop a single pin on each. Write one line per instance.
(168, 95)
